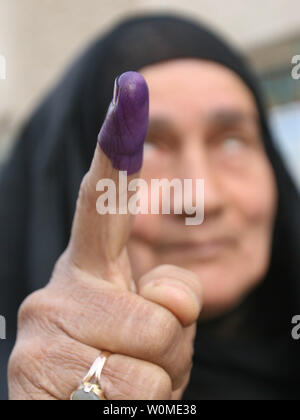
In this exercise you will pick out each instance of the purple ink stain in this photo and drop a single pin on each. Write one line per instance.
(124, 130)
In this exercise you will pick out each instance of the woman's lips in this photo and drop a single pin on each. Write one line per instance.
(208, 250)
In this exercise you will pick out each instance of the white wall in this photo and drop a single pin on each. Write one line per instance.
(39, 37)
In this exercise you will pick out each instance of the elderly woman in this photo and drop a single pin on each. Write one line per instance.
(140, 299)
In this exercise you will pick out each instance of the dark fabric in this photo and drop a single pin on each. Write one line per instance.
(247, 354)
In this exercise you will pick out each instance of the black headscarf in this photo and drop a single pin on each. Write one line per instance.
(249, 353)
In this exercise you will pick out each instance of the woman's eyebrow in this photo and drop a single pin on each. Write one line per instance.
(160, 124)
(224, 117)
(220, 119)
(227, 118)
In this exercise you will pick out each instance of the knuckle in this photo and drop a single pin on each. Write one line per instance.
(163, 270)
(40, 363)
(168, 269)
(12, 369)
(172, 272)
(180, 273)
(182, 363)
(187, 362)
(160, 384)
(165, 332)
(29, 308)
(152, 383)
(23, 365)
(129, 378)
(37, 311)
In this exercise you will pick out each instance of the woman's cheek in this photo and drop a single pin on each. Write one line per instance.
(255, 198)
(146, 226)
(254, 192)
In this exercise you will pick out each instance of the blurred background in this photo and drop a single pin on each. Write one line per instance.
(38, 38)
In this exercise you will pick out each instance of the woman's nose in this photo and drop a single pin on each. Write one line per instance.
(194, 163)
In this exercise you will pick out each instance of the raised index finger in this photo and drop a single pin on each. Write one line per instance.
(102, 221)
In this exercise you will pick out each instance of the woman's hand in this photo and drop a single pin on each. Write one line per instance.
(92, 304)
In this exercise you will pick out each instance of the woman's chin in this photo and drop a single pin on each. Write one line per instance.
(223, 290)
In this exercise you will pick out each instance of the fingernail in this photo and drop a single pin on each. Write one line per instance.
(116, 92)
(124, 130)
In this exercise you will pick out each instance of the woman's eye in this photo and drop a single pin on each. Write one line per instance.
(155, 144)
(232, 145)
(148, 146)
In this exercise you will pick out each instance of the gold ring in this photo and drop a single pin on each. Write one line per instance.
(90, 388)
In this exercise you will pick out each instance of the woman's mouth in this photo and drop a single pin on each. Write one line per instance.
(200, 251)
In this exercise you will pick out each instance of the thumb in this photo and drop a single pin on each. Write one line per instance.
(102, 222)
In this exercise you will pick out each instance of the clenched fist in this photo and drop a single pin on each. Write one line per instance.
(92, 303)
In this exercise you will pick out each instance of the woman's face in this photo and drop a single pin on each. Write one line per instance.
(204, 125)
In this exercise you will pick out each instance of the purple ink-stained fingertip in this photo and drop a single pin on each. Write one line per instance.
(123, 132)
